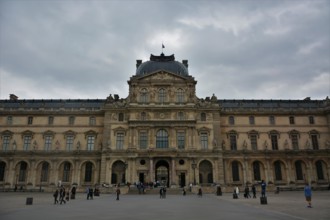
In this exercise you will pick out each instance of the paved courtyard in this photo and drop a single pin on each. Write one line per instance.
(286, 205)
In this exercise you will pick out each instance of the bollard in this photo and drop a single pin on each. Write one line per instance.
(29, 200)
(263, 200)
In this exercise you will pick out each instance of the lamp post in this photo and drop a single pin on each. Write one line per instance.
(126, 165)
(193, 166)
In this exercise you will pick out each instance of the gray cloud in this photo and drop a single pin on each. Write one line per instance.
(236, 49)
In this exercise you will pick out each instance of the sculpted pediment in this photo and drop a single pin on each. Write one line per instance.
(162, 76)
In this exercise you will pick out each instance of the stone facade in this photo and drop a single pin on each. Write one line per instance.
(163, 132)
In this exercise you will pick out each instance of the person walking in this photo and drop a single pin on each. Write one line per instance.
(247, 192)
(55, 196)
(254, 191)
(263, 188)
(62, 195)
(308, 195)
(161, 191)
(200, 193)
(117, 193)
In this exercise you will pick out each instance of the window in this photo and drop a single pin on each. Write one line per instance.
(50, 120)
(299, 171)
(180, 96)
(143, 116)
(71, 120)
(271, 120)
(48, 142)
(120, 140)
(162, 95)
(90, 142)
(254, 143)
(5, 142)
(143, 139)
(69, 142)
(204, 140)
(231, 120)
(235, 171)
(315, 143)
(251, 120)
(22, 172)
(203, 116)
(27, 142)
(311, 120)
(9, 120)
(294, 141)
(92, 121)
(162, 139)
(274, 141)
(30, 120)
(180, 116)
(66, 172)
(291, 120)
(256, 170)
(319, 170)
(144, 96)
(180, 139)
(121, 117)
(88, 172)
(2, 171)
(233, 142)
(278, 170)
(44, 172)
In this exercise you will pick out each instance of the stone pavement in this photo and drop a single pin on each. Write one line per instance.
(286, 205)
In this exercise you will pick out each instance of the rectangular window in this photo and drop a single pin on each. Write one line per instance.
(69, 142)
(143, 139)
(233, 143)
(291, 120)
(273, 139)
(181, 140)
(5, 142)
(204, 140)
(92, 121)
(50, 120)
(90, 142)
(71, 120)
(315, 143)
(9, 120)
(30, 120)
(120, 141)
(311, 120)
(27, 142)
(251, 120)
(294, 142)
(272, 120)
(254, 143)
(48, 143)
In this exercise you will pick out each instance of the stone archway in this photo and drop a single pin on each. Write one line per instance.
(205, 173)
(162, 174)
(118, 171)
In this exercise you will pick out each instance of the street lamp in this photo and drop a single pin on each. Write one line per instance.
(194, 165)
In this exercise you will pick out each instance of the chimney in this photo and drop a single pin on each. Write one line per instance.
(185, 63)
(138, 63)
(12, 97)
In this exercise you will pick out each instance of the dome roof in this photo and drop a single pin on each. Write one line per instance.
(162, 62)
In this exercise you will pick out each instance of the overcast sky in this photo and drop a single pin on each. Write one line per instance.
(249, 49)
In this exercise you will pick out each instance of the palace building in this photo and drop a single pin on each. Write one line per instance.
(163, 132)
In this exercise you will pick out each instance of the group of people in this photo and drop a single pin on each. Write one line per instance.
(62, 196)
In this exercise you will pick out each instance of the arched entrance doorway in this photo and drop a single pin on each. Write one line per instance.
(162, 173)
(118, 175)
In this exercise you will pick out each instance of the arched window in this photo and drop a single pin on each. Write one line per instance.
(299, 171)
(88, 172)
(180, 96)
(235, 170)
(66, 172)
(256, 170)
(278, 170)
(162, 95)
(144, 95)
(22, 172)
(44, 172)
(319, 170)
(162, 139)
(2, 171)
(203, 116)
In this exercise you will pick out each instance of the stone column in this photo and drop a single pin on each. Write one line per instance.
(173, 172)
(151, 168)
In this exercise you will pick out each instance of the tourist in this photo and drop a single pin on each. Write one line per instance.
(117, 193)
(247, 192)
(254, 191)
(308, 195)
(263, 188)
(55, 196)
